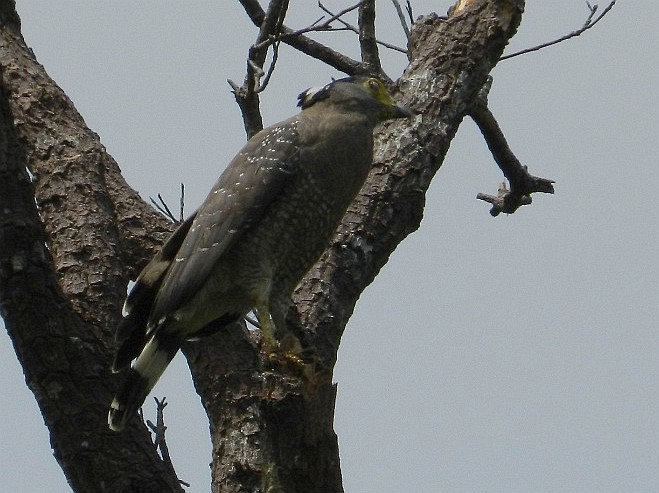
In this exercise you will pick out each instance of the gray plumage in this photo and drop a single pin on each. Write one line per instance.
(268, 218)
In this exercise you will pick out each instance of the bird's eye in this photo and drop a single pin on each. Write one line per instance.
(373, 85)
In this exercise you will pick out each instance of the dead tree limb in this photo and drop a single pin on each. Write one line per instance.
(247, 95)
(522, 184)
(354, 29)
(326, 25)
(158, 429)
(367, 39)
(308, 46)
(401, 18)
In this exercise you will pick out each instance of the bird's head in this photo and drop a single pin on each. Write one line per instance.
(365, 95)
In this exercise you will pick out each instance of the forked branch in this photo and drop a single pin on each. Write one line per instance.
(159, 441)
(326, 24)
(247, 94)
(314, 49)
(272, 31)
(164, 209)
(354, 29)
(522, 183)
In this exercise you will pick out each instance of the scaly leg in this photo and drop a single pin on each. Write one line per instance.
(285, 352)
(269, 342)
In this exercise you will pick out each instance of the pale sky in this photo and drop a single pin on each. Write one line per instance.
(509, 354)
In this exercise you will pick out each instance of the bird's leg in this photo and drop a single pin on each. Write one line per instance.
(284, 352)
(269, 341)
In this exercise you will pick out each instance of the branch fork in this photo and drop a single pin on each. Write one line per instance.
(522, 183)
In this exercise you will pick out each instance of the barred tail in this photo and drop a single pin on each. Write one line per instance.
(141, 378)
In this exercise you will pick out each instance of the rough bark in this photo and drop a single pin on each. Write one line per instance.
(271, 429)
(68, 239)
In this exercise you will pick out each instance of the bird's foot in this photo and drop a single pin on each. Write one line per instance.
(288, 353)
(285, 352)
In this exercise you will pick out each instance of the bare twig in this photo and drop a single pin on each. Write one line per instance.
(326, 25)
(319, 51)
(522, 184)
(408, 8)
(271, 68)
(182, 203)
(253, 10)
(247, 94)
(401, 17)
(316, 26)
(354, 29)
(590, 22)
(306, 45)
(270, 27)
(367, 41)
(163, 208)
(159, 436)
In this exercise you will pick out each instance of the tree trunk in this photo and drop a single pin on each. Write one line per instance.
(73, 235)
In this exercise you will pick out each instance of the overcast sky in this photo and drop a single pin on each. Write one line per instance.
(512, 354)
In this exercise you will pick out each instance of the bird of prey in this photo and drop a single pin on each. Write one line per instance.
(266, 221)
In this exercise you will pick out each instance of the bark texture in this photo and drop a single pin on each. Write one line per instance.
(68, 240)
(72, 233)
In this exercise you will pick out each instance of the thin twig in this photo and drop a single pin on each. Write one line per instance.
(271, 32)
(266, 78)
(587, 25)
(182, 203)
(401, 17)
(247, 95)
(326, 24)
(163, 208)
(306, 45)
(270, 29)
(408, 8)
(356, 31)
(159, 436)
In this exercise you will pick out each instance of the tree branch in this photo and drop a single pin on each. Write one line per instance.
(587, 25)
(306, 45)
(253, 10)
(247, 94)
(159, 440)
(326, 25)
(401, 17)
(522, 184)
(367, 40)
(356, 31)
(410, 14)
